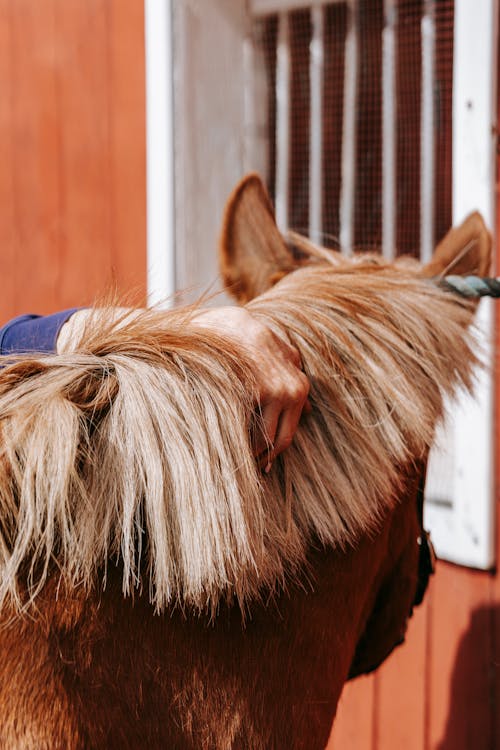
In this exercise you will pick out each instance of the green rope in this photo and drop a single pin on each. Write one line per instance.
(471, 286)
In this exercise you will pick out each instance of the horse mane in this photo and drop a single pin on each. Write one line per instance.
(134, 446)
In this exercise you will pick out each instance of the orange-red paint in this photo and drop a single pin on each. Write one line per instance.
(72, 149)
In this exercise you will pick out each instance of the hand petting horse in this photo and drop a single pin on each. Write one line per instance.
(157, 589)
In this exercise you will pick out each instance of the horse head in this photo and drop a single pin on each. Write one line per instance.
(254, 256)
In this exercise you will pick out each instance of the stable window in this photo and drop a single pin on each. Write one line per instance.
(373, 125)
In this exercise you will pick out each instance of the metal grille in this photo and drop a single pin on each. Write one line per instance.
(358, 119)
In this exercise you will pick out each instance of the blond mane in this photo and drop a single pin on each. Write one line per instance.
(135, 445)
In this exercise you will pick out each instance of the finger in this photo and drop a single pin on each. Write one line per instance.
(287, 427)
(264, 462)
(293, 355)
(266, 427)
(284, 406)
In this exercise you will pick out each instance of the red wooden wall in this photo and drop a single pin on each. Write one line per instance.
(440, 690)
(72, 152)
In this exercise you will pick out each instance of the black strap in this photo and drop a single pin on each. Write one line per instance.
(427, 555)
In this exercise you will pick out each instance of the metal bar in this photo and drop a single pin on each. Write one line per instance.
(346, 208)
(316, 125)
(268, 7)
(389, 130)
(427, 166)
(159, 151)
(282, 121)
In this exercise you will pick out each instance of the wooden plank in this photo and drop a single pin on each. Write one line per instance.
(32, 135)
(83, 80)
(128, 145)
(354, 724)
(460, 653)
(7, 208)
(72, 214)
(401, 691)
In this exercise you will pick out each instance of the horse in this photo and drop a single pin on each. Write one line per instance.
(157, 589)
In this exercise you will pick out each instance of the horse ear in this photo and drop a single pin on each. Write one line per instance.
(252, 252)
(464, 250)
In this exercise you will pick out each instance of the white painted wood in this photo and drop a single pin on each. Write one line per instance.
(282, 122)
(427, 129)
(160, 151)
(256, 98)
(209, 89)
(316, 63)
(348, 167)
(463, 531)
(268, 7)
(389, 130)
(249, 63)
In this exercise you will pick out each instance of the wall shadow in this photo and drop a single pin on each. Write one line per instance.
(474, 718)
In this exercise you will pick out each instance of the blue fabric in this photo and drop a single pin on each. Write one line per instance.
(33, 333)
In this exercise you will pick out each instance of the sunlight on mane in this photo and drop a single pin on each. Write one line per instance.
(135, 445)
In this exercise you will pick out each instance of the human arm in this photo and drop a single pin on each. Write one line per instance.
(282, 388)
(34, 333)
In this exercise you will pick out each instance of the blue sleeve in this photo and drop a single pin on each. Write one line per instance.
(33, 333)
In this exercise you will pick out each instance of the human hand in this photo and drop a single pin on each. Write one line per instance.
(282, 386)
(72, 330)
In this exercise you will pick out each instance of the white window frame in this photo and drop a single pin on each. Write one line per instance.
(159, 152)
(195, 126)
(464, 531)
